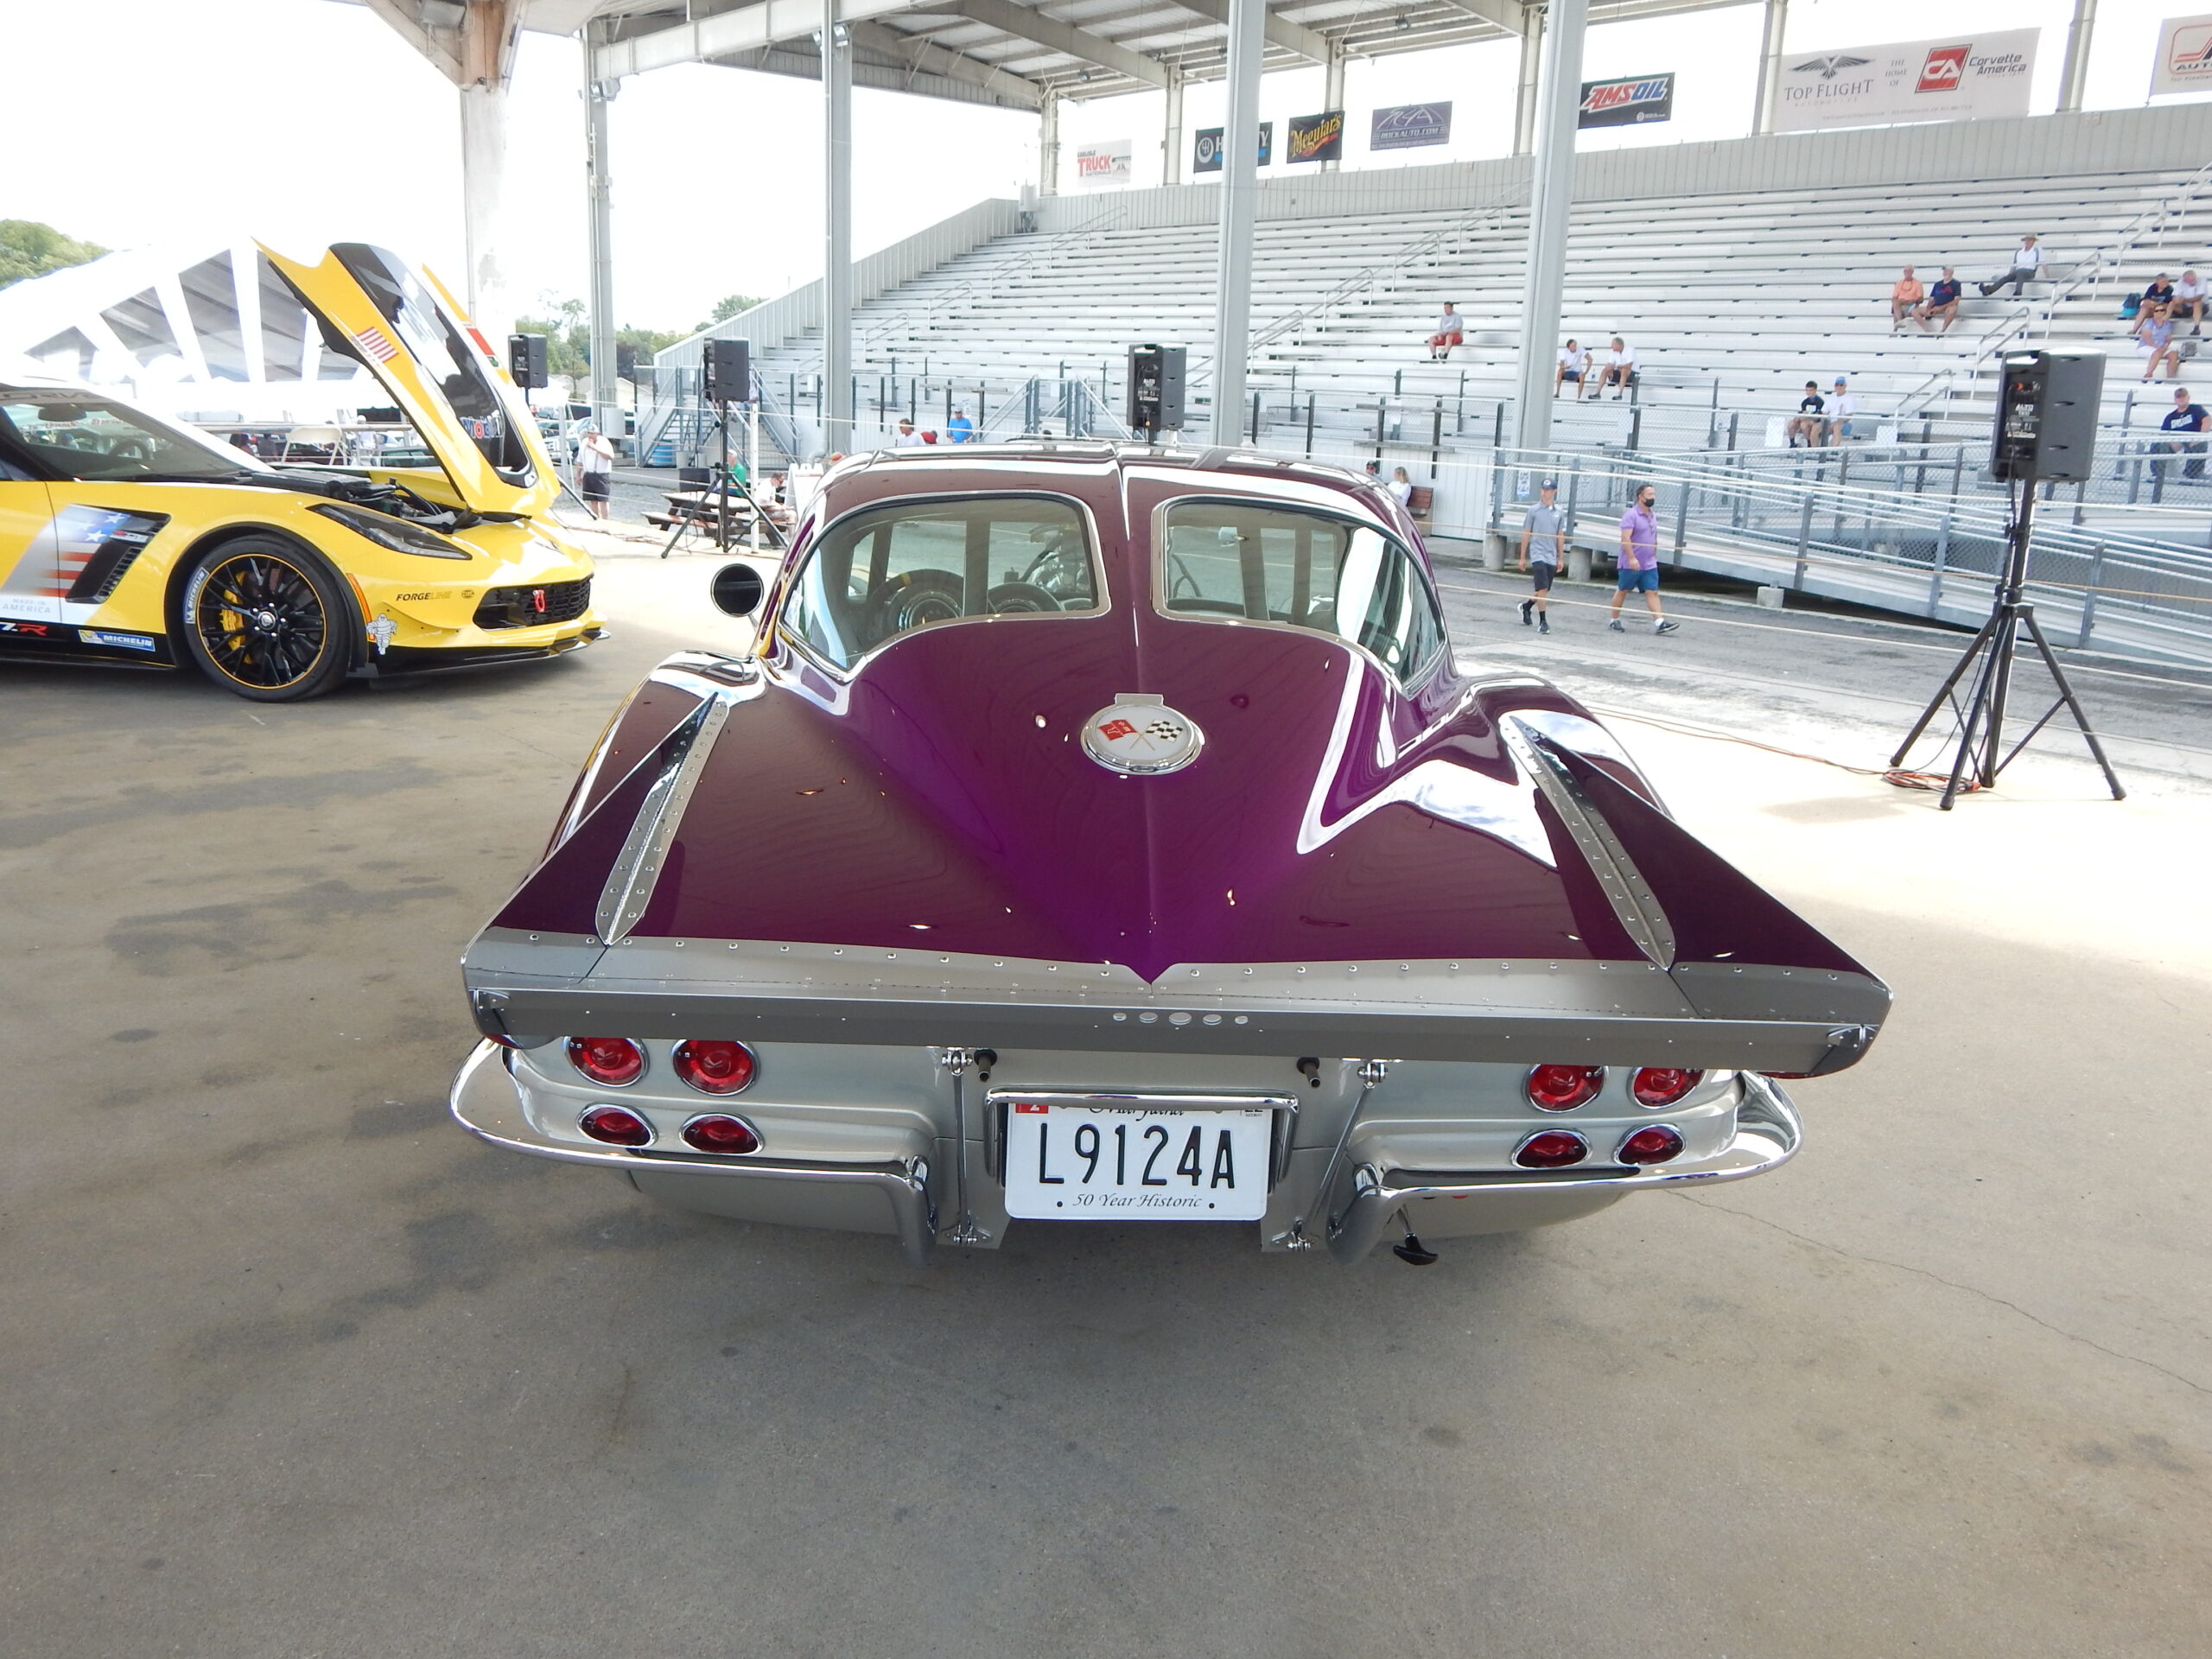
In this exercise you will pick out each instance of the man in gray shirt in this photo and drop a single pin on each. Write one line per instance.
(1543, 538)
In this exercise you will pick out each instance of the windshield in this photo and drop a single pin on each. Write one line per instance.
(888, 571)
(450, 363)
(74, 435)
(1277, 564)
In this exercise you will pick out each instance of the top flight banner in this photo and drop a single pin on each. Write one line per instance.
(1958, 78)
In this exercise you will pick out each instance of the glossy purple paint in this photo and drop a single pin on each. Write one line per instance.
(942, 797)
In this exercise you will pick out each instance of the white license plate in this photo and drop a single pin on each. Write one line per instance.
(1106, 1162)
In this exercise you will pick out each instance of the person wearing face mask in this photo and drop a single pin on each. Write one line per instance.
(1639, 562)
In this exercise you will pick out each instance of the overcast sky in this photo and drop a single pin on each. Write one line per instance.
(304, 121)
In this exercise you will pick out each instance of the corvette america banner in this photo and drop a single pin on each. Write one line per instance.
(1629, 103)
(1957, 78)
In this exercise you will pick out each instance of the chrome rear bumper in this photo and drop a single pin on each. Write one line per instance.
(1768, 1132)
(485, 1102)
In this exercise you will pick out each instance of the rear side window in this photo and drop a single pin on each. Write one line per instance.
(888, 571)
(1277, 564)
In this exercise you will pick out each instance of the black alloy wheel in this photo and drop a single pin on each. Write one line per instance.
(266, 621)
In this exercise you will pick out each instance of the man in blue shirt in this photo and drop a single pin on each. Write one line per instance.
(1639, 562)
(2185, 416)
(960, 429)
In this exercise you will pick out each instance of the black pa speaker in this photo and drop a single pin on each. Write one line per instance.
(2047, 416)
(727, 367)
(526, 361)
(1156, 389)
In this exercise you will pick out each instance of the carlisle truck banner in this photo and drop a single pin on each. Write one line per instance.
(2184, 56)
(1627, 103)
(1409, 126)
(1104, 164)
(1316, 137)
(1958, 78)
(1208, 156)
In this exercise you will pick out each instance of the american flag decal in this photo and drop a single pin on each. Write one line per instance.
(377, 343)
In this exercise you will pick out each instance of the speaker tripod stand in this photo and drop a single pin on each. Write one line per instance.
(723, 485)
(1981, 751)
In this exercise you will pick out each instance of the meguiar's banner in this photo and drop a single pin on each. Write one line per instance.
(1955, 77)
(1316, 137)
(2185, 62)
(1409, 126)
(1104, 164)
(1629, 103)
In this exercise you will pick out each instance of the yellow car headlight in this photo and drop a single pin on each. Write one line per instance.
(394, 534)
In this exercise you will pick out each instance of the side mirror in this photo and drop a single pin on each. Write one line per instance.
(738, 588)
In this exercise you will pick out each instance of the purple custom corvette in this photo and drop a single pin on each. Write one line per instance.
(1109, 835)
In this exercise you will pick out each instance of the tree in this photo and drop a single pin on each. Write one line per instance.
(568, 335)
(30, 249)
(726, 307)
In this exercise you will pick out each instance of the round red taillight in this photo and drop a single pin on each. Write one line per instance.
(714, 1067)
(717, 1132)
(1552, 1149)
(1654, 1143)
(611, 1061)
(616, 1125)
(1563, 1088)
(1662, 1085)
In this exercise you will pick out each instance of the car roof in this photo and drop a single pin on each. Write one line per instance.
(1245, 466)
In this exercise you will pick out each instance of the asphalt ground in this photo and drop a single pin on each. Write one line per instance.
(293, 1367)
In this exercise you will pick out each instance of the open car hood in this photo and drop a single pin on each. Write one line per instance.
(402, 325)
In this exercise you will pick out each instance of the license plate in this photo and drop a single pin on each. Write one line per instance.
(1109, 1160)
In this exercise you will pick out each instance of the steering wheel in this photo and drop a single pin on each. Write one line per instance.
(912, 601)
(1019, 599)
(1059, 568)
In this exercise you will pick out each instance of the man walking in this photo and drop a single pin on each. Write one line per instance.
(1639, 562)
(1543, 538)
(960, 429)
(2027, 260)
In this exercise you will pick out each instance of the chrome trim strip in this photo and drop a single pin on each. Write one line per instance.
(486, 1103)
(1768, 1135)
(630, 882)
(1625, 889)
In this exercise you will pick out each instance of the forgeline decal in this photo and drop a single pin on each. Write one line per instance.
(409, 599)
(121, 641)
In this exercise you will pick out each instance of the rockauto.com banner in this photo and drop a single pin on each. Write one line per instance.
(1104, 165)
(1409, 126)
(1960, 77)
(2185, 62)
(1627, 103)
(1316, 137)
(1207, 157)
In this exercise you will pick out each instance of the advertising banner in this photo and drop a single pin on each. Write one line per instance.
(1409, 126)
(1208, 156)
(1960, 77)
(1104, 164)
(1316, 137)
(1628, 102)
(2185, 62)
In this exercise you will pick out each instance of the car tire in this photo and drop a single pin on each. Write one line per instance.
(267, 620)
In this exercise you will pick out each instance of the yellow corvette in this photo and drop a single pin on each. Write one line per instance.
(126, 538)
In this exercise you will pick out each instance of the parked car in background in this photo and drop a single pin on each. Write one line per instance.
(1111, 835)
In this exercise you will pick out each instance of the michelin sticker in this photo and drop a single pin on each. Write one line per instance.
(120, 641)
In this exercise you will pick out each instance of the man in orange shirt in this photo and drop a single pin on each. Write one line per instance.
(1904, 298)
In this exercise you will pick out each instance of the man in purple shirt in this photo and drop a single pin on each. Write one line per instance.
(1639, 562)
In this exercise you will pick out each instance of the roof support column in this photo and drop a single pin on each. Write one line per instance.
(485, 60)
(1551, 197)
(837, 234)
(1770, 93)
(1171, 137)
(1332, 89)
(1048, 146)
(1240, 190)
(1524, 102)
(598, 208)
(2079, 36)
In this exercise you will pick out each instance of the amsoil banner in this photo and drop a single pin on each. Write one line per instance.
(1316, 137)
(1959, 78)
(2184, 56)
(1409, 126)
(1105, 164)
(1627, 103)
(1207, 159)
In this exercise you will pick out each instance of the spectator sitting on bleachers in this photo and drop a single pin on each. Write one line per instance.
(1804, 426)
(2189, 300)
(2184, 417)
(1841, 407)
(1447, 335)
(1905, 294)
(1942, 301)
(1573, 364)
(2027, 260)
(1616, 368)
(2160, 292)
(2154, 333)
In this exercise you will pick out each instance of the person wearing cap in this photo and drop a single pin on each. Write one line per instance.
(1841, 407)
(959, 429)
(1543, 547)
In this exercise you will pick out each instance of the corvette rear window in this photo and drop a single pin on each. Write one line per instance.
(885, 572)
(1277, 564)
